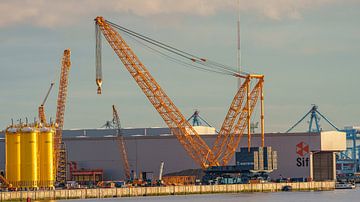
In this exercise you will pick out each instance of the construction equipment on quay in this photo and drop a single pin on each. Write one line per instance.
(237, 118)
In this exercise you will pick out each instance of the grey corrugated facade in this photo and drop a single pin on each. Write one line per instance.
(98, 149)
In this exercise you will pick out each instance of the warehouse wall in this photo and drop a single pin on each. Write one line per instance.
(146, 152)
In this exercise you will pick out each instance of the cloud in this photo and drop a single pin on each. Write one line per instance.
(51, 13)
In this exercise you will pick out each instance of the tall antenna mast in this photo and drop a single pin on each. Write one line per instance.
(238, 44)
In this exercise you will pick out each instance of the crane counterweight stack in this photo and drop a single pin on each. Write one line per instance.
(237, 119)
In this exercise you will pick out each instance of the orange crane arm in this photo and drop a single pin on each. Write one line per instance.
(42, 116)
(184, 132)
(61, 100)
(121, 143)
(242, 122)
(228, 124)
(231, 131)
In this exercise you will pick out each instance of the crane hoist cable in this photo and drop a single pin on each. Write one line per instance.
(176, 60)
(199, 60)
(178, 52)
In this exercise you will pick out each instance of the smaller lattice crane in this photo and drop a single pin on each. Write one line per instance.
(121, 143)
(41, 109)
(59, 147)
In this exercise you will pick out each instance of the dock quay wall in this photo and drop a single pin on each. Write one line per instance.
(157, 191)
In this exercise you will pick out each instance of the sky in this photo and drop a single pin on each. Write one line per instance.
(308, 50)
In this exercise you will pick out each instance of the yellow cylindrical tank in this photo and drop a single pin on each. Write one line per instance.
(12, 156)
(29, 161)
(46, 157)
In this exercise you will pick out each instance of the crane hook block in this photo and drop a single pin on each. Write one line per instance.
(99, 83)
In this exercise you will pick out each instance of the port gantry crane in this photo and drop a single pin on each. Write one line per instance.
(60, 159)
(236, 120)
(121, 143)
(41, 109)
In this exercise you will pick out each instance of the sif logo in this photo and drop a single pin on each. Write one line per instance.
(302, 149)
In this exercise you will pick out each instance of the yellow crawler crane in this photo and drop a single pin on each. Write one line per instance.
(236, 120)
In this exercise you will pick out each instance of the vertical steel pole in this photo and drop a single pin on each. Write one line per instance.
(353, 133)
(238, 46)
(262, 114)
(248, 113)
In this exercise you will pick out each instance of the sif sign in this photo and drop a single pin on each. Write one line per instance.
(302, 149)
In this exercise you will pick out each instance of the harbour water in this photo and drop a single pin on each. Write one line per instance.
(308, 196)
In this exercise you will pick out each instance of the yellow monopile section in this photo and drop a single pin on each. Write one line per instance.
(29, 160)
(12, 156)
(46, 157)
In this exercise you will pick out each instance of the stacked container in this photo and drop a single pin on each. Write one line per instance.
(268, 165)
(258, 159)
(274, 160)
(261, 156)
(249, 160)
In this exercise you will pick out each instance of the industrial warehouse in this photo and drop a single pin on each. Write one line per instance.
(43, 156)
(300, 155)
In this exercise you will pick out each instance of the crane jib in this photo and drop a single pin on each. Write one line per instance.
(240, 110)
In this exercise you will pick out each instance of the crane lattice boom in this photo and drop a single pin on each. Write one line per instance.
(61, 101)
(121, 143)
(237, 119)
(243, 122)
(172, 116)
(41, 109)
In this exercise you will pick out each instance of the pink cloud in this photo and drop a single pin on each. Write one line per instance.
(49, 13)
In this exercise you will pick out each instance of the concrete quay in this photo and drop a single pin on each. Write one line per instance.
(157, 191)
